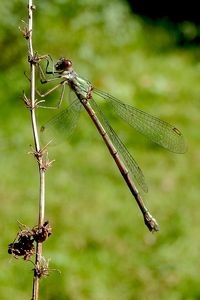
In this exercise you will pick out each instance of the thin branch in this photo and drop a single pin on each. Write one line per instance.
(39, 154)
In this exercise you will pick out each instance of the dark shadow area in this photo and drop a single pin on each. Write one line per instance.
(179, 18)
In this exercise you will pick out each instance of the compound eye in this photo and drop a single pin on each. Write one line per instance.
(63, 64)
(68, 63)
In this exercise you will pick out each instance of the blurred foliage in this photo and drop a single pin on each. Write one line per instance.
(99, 241)
(181, 19)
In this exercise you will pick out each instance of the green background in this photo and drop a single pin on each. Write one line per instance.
(100, 247)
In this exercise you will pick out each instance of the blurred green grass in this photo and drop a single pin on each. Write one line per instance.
(99, 241)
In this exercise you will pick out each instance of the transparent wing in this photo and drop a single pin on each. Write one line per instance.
(160, 132)
(125, 155)
(64, 122)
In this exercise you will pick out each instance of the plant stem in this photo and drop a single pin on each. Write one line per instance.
(38, 151)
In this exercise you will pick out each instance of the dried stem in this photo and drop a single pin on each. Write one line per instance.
(38, 152)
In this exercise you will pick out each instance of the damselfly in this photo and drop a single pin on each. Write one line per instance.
(158, 131)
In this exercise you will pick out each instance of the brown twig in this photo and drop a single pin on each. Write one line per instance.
(38, 153)
(28, 242)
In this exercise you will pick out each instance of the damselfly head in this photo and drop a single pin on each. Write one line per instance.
(63, 65)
